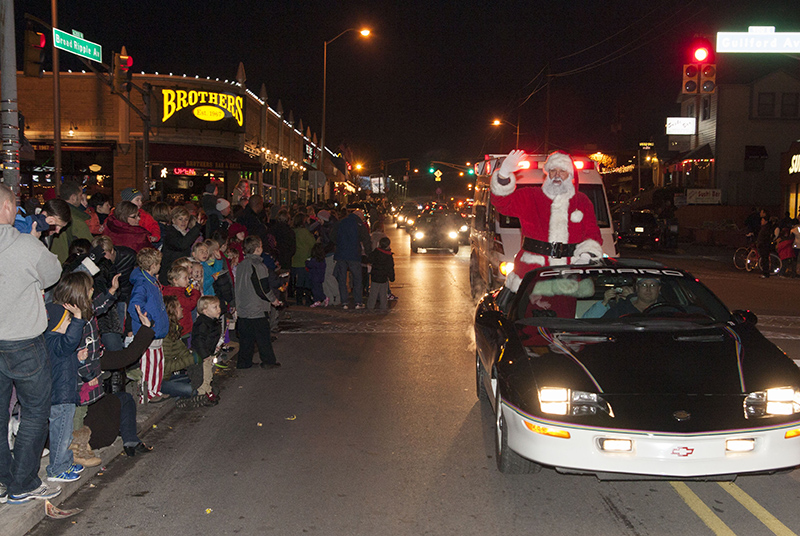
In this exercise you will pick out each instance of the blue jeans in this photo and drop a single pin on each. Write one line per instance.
(61, 458)
(340, 273)
(177, 386)
(127, 419)
(26, 366)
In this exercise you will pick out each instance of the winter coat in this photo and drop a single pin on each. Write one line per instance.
(382, 266)
(122, 233)
(286, 242)
(205, 335)
(316, 270)
(176, 355)
(210, 267)
(252, 222)
(147, 295)
(147, 222)
(351, 238)
(175, 245)
(89, 369)
(188, 300)
(304, 241)
(248, 303)
(124, 263)
(77, 228)
(786, 248)
(63, 350)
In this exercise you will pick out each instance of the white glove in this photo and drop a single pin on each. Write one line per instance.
(511, 163)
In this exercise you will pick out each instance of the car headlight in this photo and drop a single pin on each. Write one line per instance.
(410, 221)
(452, 234)
(401, 218)
(506, 267)
(463, 229)
(561, 401)
(419, 234)
(771, 402)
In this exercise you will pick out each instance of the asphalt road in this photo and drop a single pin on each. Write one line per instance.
(372, 427)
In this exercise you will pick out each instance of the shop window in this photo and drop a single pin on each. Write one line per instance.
(755, 157)
(766, 105)
(706, 108)
(789, 104)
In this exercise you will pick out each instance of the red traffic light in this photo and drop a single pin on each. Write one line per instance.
(125, 62)
(701, 54)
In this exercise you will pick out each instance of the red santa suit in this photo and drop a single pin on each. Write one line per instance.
(556, 230)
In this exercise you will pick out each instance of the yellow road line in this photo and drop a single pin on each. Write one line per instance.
(769, 520)
(705, 514)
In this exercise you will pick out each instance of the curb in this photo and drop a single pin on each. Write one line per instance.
(18, 519)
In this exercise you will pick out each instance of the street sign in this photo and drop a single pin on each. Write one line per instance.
(759, 39)
(76, 45)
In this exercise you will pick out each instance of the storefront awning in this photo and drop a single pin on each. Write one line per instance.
(193, 156)
(701, 153)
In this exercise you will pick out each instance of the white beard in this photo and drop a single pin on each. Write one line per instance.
(551, 189)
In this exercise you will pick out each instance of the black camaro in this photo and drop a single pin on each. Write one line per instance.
(628, 368)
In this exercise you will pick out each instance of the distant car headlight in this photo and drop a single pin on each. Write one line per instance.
(506, 267)
(401, 218)
(419, 234)
(561, 401)
(410, 221)
(463, 229)
(452, 234)
(777, 401)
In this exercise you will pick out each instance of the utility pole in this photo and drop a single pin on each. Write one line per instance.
(56, 105)
(8, 100)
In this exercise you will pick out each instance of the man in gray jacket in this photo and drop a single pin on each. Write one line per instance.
(26, 269)
(254, 299)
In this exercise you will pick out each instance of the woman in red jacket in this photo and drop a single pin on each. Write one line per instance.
(122, 227)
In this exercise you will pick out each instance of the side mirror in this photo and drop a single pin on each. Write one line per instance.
(741, 316)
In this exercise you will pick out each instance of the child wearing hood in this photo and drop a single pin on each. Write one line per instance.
(382, 272)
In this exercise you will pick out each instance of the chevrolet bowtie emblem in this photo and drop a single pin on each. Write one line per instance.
(682, 451)
(682, 415)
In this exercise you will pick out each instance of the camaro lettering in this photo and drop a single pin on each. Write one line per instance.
(626, 271)
(682, 451)
(177, 100)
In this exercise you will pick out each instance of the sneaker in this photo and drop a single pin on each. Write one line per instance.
(316, 304)
(66, 476)
(158, 399)
(3, 494)
(76, 468)
(212, 399)
(326, 302)
(345, 306)
(195, 401)
(392, 297)
(360, 306)
(42, 492)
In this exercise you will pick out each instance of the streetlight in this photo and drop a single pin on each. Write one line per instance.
(364, 33)
(497, 122)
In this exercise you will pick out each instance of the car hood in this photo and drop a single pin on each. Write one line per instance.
(704, 361)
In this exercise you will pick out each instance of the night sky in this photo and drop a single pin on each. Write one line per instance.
(433, 75)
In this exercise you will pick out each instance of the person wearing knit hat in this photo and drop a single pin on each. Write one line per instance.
(324, 215)
(222, 206)
(129, 194)
(557, 221)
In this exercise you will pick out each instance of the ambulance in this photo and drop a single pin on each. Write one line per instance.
(495, 238)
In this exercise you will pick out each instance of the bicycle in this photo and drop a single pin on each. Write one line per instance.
(747, 258)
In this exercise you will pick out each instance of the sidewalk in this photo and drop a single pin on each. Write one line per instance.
(18, 519)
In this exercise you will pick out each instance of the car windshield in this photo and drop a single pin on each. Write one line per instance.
(617, 296)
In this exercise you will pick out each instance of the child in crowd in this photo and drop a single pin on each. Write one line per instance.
(316, 271)
(71, 303)
(213, 267)
(147, 295)
(207, 340)
(382, 272)
(200, 254)
(236, 235)
(181, 373)
(54, 216)
(180, 287)
(223, 281)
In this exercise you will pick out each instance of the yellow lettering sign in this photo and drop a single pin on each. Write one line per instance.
(208, 105)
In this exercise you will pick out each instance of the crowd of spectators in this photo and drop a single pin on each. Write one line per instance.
(139, 302)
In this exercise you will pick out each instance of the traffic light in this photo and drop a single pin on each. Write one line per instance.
(34, 53)
(691, 78)
(708, 78)
(431, 170)
(702, 51)
(122, 73)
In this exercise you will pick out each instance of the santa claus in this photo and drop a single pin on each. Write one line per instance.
(557, 221)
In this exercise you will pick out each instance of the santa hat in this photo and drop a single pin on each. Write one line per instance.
(560, 160)
(235, 229)
(222, 204)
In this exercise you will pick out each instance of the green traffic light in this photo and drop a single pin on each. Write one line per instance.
(471, 171)
(430, 170)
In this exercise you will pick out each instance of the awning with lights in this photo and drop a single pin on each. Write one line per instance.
(193, 156)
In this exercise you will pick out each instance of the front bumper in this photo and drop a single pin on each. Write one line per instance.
(652, 454)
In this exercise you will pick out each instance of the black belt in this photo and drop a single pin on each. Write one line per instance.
(551, 249)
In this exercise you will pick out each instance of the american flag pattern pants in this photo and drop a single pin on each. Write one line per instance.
(152, 365)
